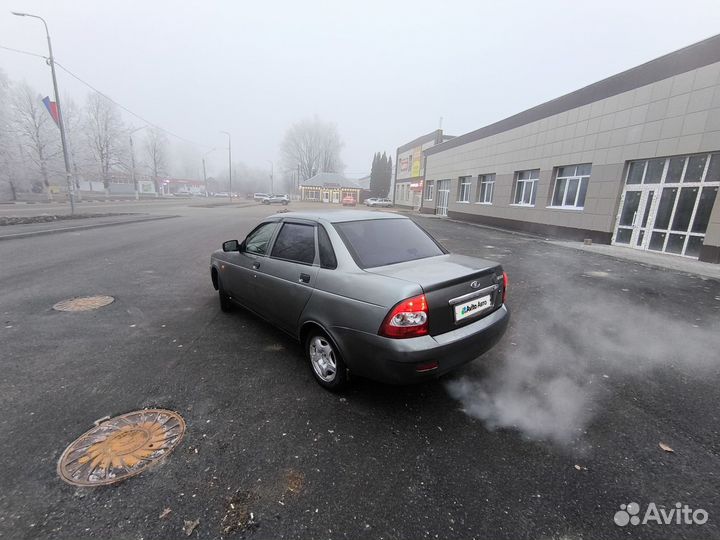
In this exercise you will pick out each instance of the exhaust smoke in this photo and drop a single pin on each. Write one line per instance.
(559, 361)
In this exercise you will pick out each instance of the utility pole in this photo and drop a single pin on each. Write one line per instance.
(229, 161)
(272, 173)
(204, 172)
(132, 163)
(132, 169)
(51, 61)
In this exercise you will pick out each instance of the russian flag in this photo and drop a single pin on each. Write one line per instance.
(51, 106)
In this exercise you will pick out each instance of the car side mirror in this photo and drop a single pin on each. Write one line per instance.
(231, 245)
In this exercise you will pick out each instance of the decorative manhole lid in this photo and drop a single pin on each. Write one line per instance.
(121, 447)
(84, 303)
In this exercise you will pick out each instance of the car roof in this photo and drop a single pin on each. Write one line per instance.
(339, 216)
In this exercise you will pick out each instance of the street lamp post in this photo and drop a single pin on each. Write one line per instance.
(204, 171)
(132, 163)
(229, 161)
(61, 125)
(272, 173)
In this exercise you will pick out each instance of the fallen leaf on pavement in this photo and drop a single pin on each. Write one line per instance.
(165, 513)
(190, 526)
(665, 447)
(580, 468)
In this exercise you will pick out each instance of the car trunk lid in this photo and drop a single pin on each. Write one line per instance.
(458, 289)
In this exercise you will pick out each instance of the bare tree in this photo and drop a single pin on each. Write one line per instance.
(33, 126)
(312, 146)
(6, 138)
(104, 129)
(156, 149)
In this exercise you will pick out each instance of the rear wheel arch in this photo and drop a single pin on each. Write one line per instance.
(307, 327)
(312, 329)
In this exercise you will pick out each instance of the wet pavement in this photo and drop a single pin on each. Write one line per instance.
(546, 436)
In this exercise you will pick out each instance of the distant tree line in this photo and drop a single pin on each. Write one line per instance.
(98, 140)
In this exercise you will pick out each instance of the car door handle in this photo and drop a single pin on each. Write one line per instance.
(304, 278)
(256, 265)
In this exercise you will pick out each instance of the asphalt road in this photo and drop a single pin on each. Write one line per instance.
(547, 435)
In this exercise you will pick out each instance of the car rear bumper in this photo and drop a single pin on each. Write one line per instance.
(397, 360)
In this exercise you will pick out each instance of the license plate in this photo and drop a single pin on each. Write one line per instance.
(473, 307)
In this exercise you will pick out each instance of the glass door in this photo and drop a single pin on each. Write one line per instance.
(443, 195)
(636, 206)
(667, 202)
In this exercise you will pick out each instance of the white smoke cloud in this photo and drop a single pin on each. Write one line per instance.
(562, 356)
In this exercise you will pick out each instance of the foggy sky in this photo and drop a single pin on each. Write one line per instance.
(385, 72)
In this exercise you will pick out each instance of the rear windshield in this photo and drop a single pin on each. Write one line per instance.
(379, 242)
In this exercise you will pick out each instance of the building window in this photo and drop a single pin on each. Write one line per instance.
(312, 195)
(571, 184)
(674, 170)
(486, 188)
(526, 187)
(429, 190)
(464, 189)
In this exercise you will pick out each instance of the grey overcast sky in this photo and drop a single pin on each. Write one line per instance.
(384, 72)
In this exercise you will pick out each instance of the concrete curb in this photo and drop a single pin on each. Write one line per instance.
(80, 227)
(688, 267)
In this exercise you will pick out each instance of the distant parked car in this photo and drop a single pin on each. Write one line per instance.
(349, 200)
(276, 199)
(261, 196)
(379, 201)
(366, 292)
(221, 194)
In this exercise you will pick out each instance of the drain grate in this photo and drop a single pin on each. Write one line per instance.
(121, 447)
(85, 303)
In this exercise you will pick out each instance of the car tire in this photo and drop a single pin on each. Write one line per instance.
(285, 203)
(225, 302)
(325, 361)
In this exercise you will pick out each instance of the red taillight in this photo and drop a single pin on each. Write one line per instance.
(506, 282)
(407, 319)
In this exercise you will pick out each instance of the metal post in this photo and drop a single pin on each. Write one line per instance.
(132, 162)
(229, 161)
(51, 61)
(132, 169)
(272, 173)
(205, 177)
(204, 172)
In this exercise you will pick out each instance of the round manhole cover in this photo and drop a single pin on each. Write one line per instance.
(85, 303)
(121, 447)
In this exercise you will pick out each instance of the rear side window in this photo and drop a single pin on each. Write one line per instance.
(378, 242)
(327, 254)
(295, 242)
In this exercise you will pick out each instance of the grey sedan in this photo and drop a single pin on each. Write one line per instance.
(367, 293)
